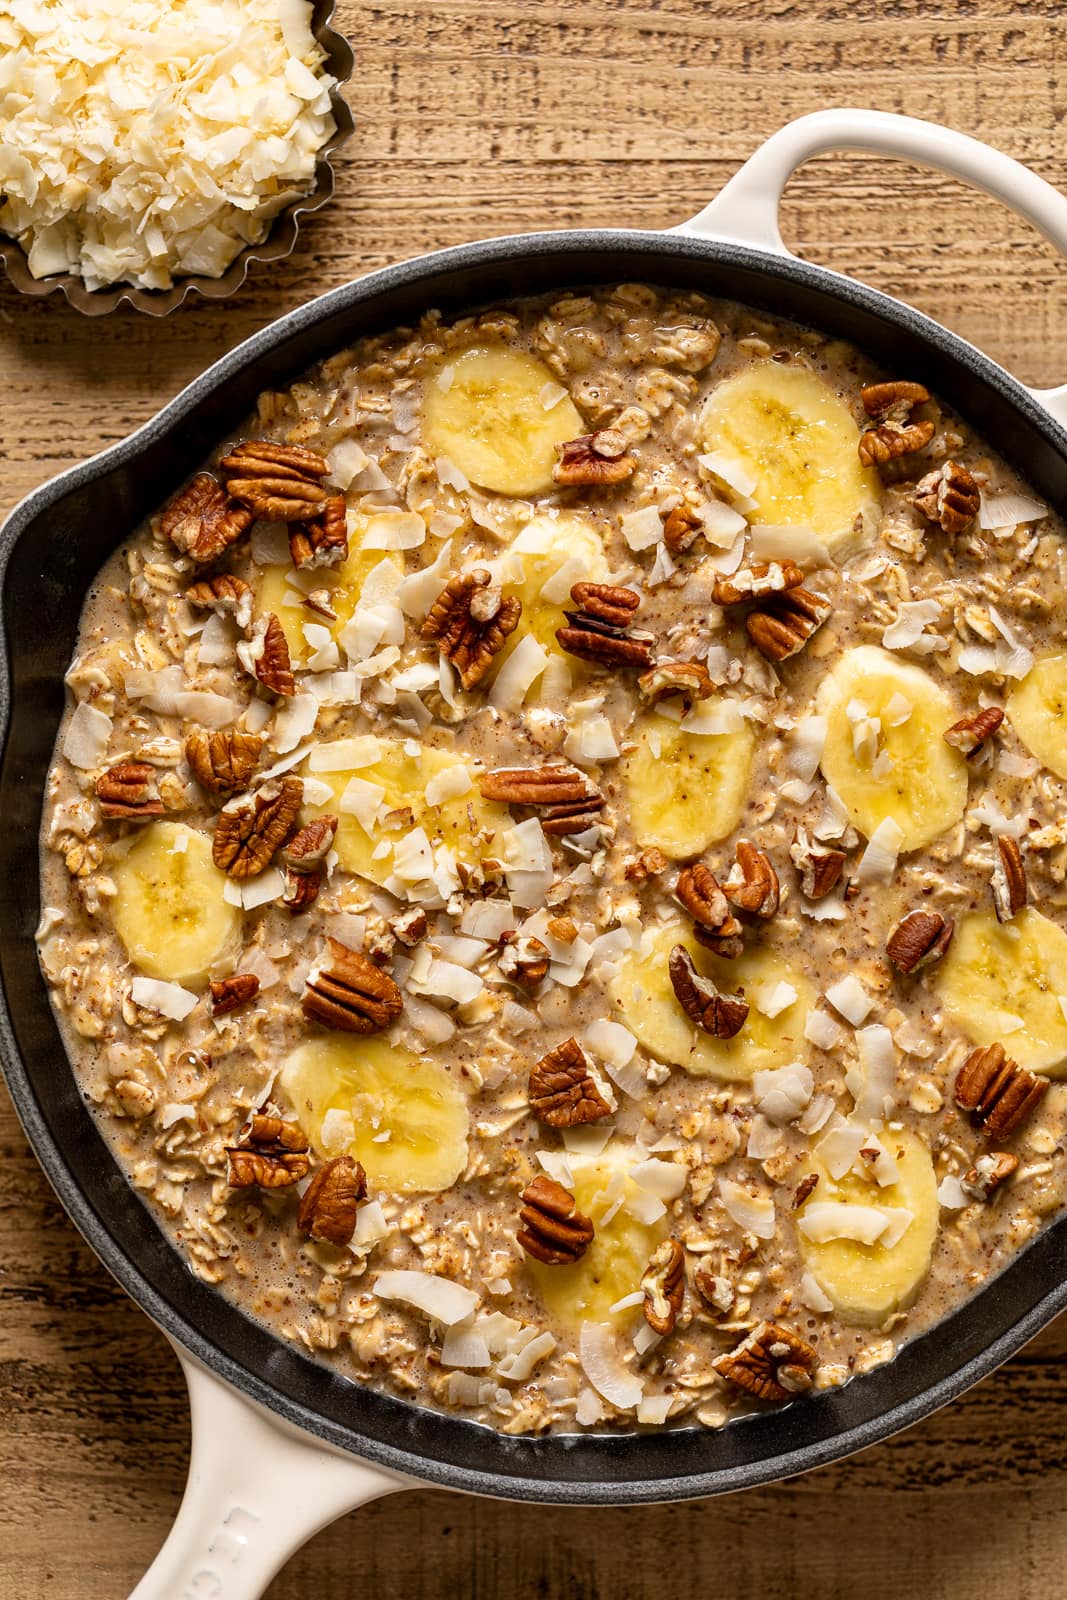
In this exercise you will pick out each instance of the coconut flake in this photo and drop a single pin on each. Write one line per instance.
(951, 1195)
(771, 999)
(518, 675)
(642, 528)
(464, 1347)
(733, 473)
(907, 631)
(294, 721)
(753, 1213)
(86, 738)
(604, 1368)
(769, 542)
(764, 1139)
(850, 999)
(825, 1220)
(872, 1082)
(783, 1092)
(168, 999)
(439, 1298)
(1009, 510)
(821, 1030)
(879, 861)
(812, 1296)
(721, 524)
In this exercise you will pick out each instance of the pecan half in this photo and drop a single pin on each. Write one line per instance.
(752, 883)
(773, 1363)
(344, 990)
(566, 1090)
(330, 1202)
(781, 625)
(918, 940)
(686, 679)
(598, 459)
(600, 628)
(524, 959)
(225, 595)
(278, 482)
(948, 497)
(715, 924)
(1010, 892)
(681, 529)
(269, 1152)
(223, 761)
(663, 1283)
(752, 583)
(471, 622)
(969, 734)
(322, 541)
(988, 1173)
(818, 867)
(129, 790)
(250, 829)
(997, 1090)
(265, 655)
(554, 1230)
(567, 801)
(721, 1015)
(202, 521)
(891, 407)
(229, 994)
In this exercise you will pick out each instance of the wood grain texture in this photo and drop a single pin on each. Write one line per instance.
(481, 117)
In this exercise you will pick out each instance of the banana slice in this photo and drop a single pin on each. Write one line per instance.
(1037, 710)
(402, 1116)
(685, 790)
(282, 590)
(466, 823)
(868, 1282)
(800, 441)
(646, 1003)
(997, 976)
(168, 909)
(885, 754)
(612, 1266)
(492, 412)
(564, 546)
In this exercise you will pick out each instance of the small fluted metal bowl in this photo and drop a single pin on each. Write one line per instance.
(279, 242)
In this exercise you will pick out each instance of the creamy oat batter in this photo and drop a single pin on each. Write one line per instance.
(509, 897)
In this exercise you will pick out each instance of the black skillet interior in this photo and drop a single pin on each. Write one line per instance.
(55, 543)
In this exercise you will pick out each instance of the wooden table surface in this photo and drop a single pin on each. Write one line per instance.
(480, 117)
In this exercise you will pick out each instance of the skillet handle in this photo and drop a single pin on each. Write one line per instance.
(257, 1490)
(746, 209)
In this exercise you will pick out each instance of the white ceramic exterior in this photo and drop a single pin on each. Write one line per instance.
(257, 1487)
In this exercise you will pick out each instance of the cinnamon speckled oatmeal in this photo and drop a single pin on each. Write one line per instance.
(554, 864)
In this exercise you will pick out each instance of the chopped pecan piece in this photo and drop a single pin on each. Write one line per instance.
(567, 801)
(781, 625)
(752, 583)
(721, 1015)
(202, 520)
(225, 595)
(949, 497)
(715, 924)
(999, 1092)
(648, 864)
(524, 959)
(321, 602)
(129, 791)
(988, 1173)
(600, 629)
(686, 679)
(554, 1230)
(278, 482)
(266, 656)
(250, 829)
(752, 883)
(805, 1189)
(663, 1284)
(1010, 892)
(471, 622)
(223, 761)
(331, 1200)
(971, 733)
(891, 407)
(719, 1292)
(566, 1090)
(307, 850)
(322, 541)
(818, 867)
(229, 994)
(269, 1152)
(682, 528)
(301, 890)
(344, 990)
(410, 926)
(918, 940)
(598, 459)
(773, 1363)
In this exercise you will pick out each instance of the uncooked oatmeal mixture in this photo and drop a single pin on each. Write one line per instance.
(554, 868)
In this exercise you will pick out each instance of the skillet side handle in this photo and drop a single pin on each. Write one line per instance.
(746, 208)
(256, 1491)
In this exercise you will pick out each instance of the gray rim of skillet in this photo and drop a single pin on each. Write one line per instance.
(51, 547)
